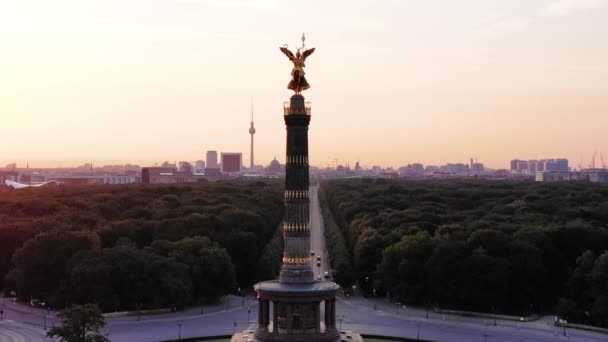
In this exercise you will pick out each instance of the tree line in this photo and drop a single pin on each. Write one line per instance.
(138, 246)
(494, 246)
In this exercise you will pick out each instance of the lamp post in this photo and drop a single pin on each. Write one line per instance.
(418, 331)
(397, 308)
(179, 331)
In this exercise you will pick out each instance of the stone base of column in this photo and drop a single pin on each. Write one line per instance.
(351, 336)
(294, 274)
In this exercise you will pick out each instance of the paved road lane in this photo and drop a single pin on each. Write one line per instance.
(317, 240)
(11, 331)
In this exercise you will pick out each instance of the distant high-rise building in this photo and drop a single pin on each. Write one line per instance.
(167, 175)
(199, 166)
(562, 165)
(212, 160)
(514, 164)
(166, 164)
(185, 166)
(251, 132)
(523, 166)
(156, 175)
(532, 166)
(557, 165)
(542, 165)
(231, 162)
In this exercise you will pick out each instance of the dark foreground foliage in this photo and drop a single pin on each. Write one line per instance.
(80, 323)
(136, 247)
(511, 247)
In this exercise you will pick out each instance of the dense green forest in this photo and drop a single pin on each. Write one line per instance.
(494, 246)
(139, 246)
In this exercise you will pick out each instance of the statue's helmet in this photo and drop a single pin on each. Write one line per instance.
(298, 54)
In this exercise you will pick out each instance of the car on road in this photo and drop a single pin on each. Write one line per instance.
(312, 252)
(318, 258)
(318, 264)
(326, 275)
(319, 278)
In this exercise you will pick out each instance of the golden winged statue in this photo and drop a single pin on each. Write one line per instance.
(298, 82)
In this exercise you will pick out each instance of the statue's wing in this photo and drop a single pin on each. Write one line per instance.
(307, 53)
(288, 53)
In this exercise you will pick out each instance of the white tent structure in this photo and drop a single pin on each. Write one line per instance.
(16, 185)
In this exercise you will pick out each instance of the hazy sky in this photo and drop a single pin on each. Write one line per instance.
(393, 82)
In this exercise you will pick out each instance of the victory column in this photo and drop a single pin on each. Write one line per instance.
(290, 307)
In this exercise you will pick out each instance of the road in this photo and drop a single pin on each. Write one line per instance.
(23, 323)
(20, 332)
(317, 240)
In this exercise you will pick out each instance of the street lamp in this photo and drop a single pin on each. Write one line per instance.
(418, 331)
(179, 331)
(397, 307)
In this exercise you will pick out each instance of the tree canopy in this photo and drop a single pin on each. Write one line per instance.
(482, 245)
(137, 246)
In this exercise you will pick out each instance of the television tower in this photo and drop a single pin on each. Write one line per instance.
(252, 132)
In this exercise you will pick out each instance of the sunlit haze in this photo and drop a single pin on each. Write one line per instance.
(392, 82)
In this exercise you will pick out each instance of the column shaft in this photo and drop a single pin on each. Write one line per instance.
(260, 313)
(266, 315)
(275, 317)
(317, 310)
(327, 315)
(289, 319)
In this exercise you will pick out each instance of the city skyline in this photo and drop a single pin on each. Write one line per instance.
(395, 83)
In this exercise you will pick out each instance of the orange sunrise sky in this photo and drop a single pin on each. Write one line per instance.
(392, 82)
